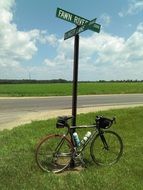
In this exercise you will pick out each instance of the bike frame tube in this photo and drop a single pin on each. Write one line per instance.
(103, 140)
(87, 142)
(62, 141)
(60, 144)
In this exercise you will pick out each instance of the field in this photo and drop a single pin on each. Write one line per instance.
(18, 169)
(63, 89)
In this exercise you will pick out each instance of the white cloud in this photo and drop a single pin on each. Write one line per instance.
(45, 38)
(102, 56)
(134, 7)
(105, 19)
(5, 11)
(14, 45)
(61, 65)
(17, 46)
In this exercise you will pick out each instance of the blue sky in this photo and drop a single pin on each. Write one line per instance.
(32, 44)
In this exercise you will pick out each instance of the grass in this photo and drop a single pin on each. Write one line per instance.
(64, 89)
(35, 89)
(19, 171)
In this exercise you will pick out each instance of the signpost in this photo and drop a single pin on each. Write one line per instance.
(82, 24)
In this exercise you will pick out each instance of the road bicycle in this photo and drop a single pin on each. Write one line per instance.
(56, 152)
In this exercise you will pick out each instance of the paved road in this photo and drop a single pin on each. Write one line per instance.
(18, 109)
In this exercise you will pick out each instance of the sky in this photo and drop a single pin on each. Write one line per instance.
(32, 44)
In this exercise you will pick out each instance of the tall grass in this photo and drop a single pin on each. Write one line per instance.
(19, 171)
(61, 89)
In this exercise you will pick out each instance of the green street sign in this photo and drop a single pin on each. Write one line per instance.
(79, 29)
(95, 27)
(70, 33)
(77, 20)
(70, 17)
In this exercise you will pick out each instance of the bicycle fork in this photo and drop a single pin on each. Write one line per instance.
(105, 145)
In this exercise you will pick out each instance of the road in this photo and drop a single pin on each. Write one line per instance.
(16, 111)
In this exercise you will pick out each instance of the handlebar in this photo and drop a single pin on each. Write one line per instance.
(98, 117)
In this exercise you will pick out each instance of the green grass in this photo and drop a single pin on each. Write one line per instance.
(61, 89)
(35, 89)
(19, 171)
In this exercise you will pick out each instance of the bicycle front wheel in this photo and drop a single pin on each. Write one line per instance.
(108, 152)
(53, 153)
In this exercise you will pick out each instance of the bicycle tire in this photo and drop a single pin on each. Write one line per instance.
(102, 156)
(51, 160)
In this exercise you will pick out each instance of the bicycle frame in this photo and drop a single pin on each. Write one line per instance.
(83, 146)
(103, 140)
(94, 133)
(60, 144)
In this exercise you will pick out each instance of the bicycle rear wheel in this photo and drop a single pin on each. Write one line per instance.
(53, 153)
(109, 154)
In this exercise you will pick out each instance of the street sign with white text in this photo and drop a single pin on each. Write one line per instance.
(70, 17)
(77, 20)
(79, 29)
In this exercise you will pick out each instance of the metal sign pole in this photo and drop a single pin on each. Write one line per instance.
(74, 96)
(75, 79)
(82, 24)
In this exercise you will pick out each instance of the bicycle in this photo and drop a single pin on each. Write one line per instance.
(55, 152)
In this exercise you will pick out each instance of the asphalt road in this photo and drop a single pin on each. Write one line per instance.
(14, 110)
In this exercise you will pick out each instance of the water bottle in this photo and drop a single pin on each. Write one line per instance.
(76, 139)
(86, 137)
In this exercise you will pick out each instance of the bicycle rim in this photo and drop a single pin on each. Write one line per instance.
(106, 156)
(53, 153)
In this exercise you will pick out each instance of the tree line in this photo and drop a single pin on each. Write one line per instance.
(29, 81)
(26, 81)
